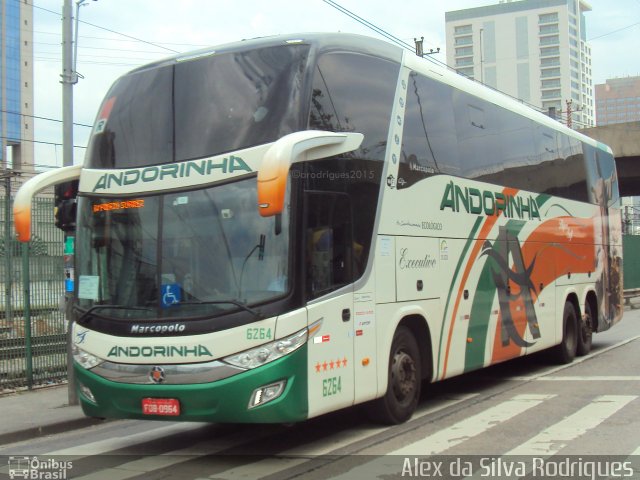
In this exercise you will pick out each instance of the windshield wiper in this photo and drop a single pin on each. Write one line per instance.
(91, 310)
(237, 303)
(260, 248)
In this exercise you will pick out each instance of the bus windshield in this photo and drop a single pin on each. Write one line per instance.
(192, 109)
(188, 254)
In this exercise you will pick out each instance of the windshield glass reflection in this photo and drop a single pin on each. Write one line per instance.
(184, 254)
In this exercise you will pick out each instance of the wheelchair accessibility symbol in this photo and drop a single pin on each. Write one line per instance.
(170, 295)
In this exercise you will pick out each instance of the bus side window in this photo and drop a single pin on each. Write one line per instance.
(329, 242)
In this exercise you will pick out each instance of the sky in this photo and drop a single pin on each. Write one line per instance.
(116, 36)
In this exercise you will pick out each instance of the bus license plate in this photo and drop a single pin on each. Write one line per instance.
(161, 406)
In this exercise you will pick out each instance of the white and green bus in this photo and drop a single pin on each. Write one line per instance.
(278, 228)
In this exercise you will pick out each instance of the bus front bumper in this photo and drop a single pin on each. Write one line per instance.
(222, 401)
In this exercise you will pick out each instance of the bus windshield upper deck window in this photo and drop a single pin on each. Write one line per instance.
(206, 106)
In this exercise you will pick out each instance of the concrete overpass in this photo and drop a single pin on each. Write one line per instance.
(624, 140)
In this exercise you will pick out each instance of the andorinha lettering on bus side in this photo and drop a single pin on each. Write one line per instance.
(473, 200)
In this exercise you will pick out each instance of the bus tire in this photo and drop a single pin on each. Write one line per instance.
(404, 379)
(585, 333)
(565, 352)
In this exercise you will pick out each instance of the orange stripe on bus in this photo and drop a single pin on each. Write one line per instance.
(484, 232)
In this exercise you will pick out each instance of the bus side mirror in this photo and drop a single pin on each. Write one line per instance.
(294, 148)
(66, 205)
(22, 202)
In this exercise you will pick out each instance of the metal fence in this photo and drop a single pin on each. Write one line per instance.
(631, 261)
(33, 332)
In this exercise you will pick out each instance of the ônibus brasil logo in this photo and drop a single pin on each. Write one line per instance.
(38, 469)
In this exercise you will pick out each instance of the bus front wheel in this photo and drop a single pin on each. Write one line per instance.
(403, 385)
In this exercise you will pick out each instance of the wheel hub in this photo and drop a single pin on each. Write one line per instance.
(403, 375)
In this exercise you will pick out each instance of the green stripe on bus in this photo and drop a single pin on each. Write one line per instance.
(480, 315)
(461, 258)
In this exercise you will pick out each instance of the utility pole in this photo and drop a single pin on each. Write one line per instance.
(68, 80)
(3, 89)
(569, 120)
(481, 58)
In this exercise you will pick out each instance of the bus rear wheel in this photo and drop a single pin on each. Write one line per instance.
(404, 379)
(585, 333)
(565, 352)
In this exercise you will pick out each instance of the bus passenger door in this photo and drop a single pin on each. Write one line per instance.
(328, 244)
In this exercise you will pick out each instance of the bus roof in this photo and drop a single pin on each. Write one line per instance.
(384, 49)
(323, 41)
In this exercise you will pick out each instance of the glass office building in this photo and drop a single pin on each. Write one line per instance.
(533, 50)
(16, 85)
(618, 101)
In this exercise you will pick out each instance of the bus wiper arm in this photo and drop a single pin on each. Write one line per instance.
(237, 303)
(91, 310)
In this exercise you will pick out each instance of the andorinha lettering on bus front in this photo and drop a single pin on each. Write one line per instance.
(160, 351)
(160, 173)
(476, 201)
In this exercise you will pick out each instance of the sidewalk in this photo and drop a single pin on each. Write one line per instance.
(42, 411)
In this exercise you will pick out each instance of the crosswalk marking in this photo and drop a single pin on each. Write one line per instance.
(270, 466)
(555, 438)
(210, 447)
(101, 446)
(547, 443)
(448, 437)
(472, 426)
(168, 459)
(577, 361)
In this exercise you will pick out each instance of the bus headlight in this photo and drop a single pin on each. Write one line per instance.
(85, 359)
(269, 352)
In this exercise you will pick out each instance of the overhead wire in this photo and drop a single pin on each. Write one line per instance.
(411, 48)
(107, 29)
(379, 30)
(43, 118)
(614, 31)
(40, 142)
(333, 4)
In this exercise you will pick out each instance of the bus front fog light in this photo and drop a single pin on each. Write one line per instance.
(87, 393)
(266, 393)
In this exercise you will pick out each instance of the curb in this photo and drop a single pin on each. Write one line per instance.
(51, 429)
